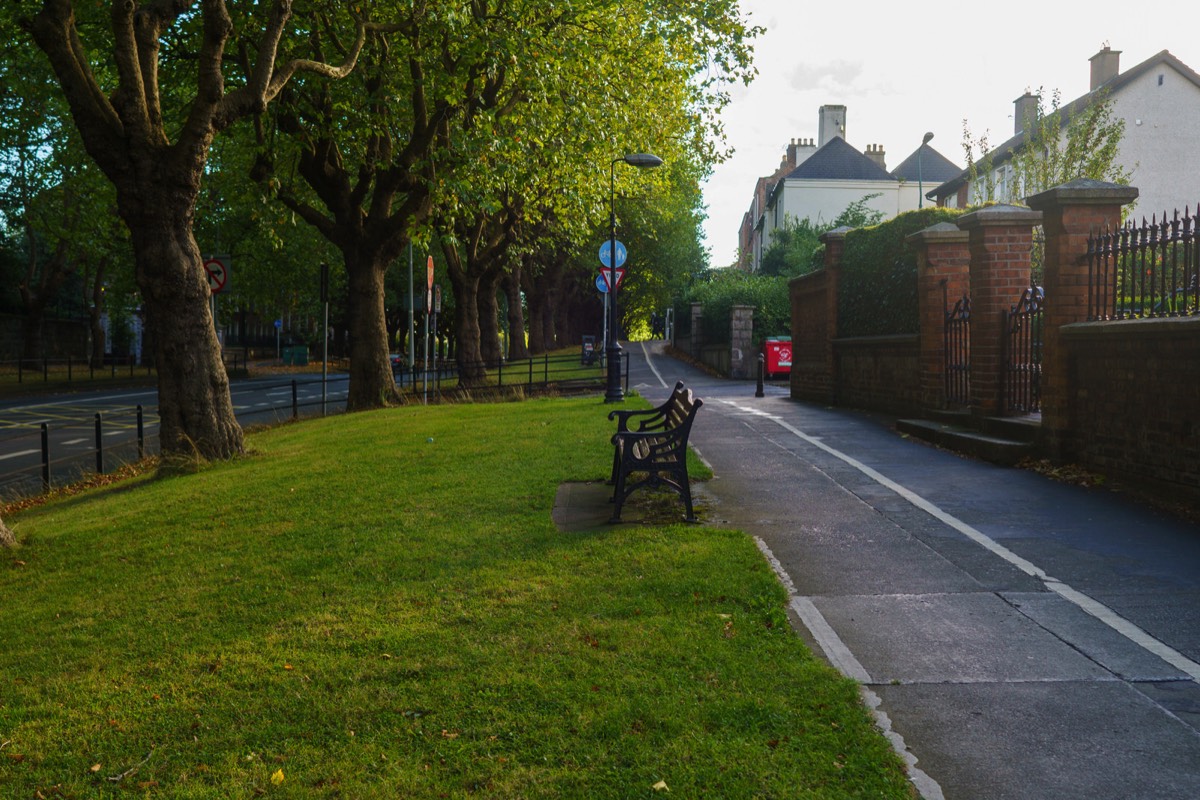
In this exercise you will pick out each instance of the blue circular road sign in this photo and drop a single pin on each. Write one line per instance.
(605, 258)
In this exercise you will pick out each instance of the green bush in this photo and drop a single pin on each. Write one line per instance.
(877, 291)
(722, 290)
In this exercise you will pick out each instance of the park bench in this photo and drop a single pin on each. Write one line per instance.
(654, 442)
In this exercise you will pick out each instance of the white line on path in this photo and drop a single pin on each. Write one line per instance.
(650, 363)
(1088, 604)
(18, 454)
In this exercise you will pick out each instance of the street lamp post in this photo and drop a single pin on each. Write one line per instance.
(612, 350)
(920, 181)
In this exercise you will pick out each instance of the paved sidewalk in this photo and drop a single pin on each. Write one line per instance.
(1022, 638)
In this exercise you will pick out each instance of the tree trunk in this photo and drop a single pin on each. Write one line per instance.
(490, 348)
(372, 383)
(469, 358)
(517, 350)
(535, 297)
(7, 539)
(194, 405)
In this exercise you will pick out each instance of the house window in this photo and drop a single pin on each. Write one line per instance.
(1160, 79)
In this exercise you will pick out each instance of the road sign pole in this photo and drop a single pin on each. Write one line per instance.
(325, 338)
(612, 351)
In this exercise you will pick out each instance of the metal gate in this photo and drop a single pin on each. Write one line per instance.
(958, 350)
(1022, 380)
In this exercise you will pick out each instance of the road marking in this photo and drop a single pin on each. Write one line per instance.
(1086, 603)
(72, 442)
(18, 454)
(650, 364)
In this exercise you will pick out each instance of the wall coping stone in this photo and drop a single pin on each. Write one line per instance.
(941, 232)
(1155, 326)
(999, 215)
(1083, 192)
(836, 234)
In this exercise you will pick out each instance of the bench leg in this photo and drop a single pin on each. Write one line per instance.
(685, 491)
(618, 498)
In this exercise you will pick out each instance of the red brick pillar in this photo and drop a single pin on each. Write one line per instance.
(1001, 240)
(943, 272)
(818, 381)
(1070, 213)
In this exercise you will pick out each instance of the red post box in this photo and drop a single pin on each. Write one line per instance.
(778, 352)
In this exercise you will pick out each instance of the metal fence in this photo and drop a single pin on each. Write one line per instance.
(48, 449)
(1022, 383)
(562, 373)
(957, 366)
(1145, 271)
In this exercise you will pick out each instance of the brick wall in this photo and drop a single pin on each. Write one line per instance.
(812, 303)
(1132, 395)
(882, 373)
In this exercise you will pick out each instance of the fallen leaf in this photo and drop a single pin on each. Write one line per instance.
(661, 786)
(277, 777)
(96, 768)
(288, 666)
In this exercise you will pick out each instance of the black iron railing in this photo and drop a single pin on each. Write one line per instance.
(1022, 383)
(1145, 271)
(957, 367)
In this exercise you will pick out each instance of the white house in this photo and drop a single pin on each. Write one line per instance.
(1159, 100)
(818, 179)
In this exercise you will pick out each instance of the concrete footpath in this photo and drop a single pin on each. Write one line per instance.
(1018, 637)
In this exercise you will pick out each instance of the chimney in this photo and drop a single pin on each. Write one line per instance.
(875, 153)
(1105, 66)
(831, 122)
(804, 149)
(1025, 110)
(791, 153)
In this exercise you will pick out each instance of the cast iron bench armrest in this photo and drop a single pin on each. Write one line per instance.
(654, 417)
(661, 454)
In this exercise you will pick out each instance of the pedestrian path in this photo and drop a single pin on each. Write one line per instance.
(1019, 638)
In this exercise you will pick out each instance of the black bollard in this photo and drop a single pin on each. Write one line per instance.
(759, 391)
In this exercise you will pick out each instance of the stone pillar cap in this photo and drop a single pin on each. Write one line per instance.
(837, 233)
(1000, 215)
(941, 232)
(1084, 192)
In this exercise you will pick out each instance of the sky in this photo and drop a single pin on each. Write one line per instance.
(903, 69)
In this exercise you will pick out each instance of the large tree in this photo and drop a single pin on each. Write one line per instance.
(148, 90)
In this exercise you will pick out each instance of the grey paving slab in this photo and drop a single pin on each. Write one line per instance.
(923, 567)
(1029, 741)
(1093, 638)
(951, 638)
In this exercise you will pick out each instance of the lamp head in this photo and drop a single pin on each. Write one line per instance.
(642, 160)
(927, 137)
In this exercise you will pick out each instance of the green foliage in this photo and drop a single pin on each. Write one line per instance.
(1061, 144)
(722, 289)
(796, 247)
(877, 291)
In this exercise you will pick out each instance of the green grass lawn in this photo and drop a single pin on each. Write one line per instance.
(377, 605)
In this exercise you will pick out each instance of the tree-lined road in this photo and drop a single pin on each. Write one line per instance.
(71, 422)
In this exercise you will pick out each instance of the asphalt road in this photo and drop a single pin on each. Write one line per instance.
(71, 427)
(1017, 637)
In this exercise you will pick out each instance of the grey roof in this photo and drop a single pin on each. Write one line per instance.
(837, 160)
(933, 167)
(1005, 151)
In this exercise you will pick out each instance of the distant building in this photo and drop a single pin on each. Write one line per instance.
(1159, 100)
(819, 179)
